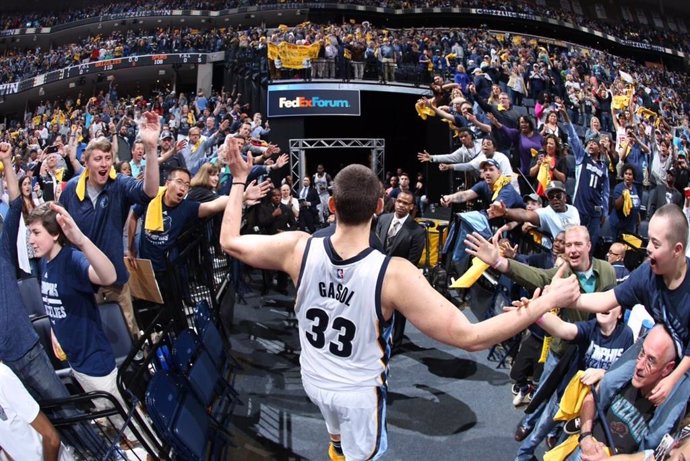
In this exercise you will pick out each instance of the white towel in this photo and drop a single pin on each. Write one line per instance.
(22, 250)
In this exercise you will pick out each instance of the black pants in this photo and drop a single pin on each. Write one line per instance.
(526, 362)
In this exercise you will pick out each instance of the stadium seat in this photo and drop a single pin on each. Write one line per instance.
(521, 110)
(643, 228)
(30, 291)
(178, 416)
(115, 328)
(528, 102)
(195, 364)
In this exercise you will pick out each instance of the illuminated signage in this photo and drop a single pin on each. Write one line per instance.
(292, 103)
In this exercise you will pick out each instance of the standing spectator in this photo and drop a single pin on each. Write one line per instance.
(274, 218)
(287, 199)
(592, 188)
(308, 200)
(99, 201)
(323, 185)
(626, 205)
(663, 194)
(403, 237)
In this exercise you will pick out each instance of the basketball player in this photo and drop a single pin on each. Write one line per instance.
(347, 294)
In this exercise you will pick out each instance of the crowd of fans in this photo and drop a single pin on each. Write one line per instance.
(619, 28)
(575, 144)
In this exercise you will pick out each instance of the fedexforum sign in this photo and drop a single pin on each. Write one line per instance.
(292, 103)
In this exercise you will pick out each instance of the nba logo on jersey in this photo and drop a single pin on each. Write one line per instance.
(339, 273)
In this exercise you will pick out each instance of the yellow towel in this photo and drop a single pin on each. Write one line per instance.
(534, 152)
(627, 202)
(423, 111)
(500, 183)
(545, 346)
(573, 396)
(631, 240)
(471, 275)
(154, 212)
(81, 183)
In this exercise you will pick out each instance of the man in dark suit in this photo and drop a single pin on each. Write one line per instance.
(308, 200)
(401, 236)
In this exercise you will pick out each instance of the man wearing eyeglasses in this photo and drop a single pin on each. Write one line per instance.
(553, 218)
(632, 419)
(615, 257)
(175, 214)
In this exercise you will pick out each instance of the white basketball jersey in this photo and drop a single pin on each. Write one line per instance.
(345, 340)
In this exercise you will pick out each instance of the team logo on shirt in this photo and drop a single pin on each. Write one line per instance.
(339, 273)
(104, 202)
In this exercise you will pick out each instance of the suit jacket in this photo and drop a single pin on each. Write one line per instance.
(312, 197)
(408, 243)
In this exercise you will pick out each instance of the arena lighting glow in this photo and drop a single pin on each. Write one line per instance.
(301, 101)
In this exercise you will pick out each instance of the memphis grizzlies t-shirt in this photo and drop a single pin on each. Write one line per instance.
(68, 297)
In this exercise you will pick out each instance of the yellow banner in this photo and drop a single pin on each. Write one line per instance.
(293, 56)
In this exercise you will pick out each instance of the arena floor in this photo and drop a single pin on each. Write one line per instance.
(444, 403)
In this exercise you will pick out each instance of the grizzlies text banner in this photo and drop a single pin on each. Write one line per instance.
(291, 103)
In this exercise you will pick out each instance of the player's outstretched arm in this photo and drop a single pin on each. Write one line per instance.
(281, 252)
(406, 290)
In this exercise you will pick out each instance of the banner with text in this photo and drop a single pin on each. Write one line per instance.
(293, 103)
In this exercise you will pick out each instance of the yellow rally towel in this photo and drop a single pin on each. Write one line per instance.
(154, 212)
(471, 275)
(573, 396)
(545, 346)
(423, 111)
(500, 183)
(627, 202)
(632, 240)
(81, 183)
(534, 152)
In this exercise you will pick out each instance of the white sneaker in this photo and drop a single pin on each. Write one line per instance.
(522, 397)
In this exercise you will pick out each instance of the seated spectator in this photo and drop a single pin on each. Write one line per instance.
(616, 257)
(634, 421)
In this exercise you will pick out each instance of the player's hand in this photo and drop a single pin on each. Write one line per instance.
(240, 167)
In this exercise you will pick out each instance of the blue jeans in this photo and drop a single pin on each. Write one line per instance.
(36, 372)
(530, 420)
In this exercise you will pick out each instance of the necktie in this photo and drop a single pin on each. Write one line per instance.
(391, 233)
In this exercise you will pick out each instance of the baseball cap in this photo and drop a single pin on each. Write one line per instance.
(554, 186)
(594, 137)
(166, 135)
(477, 70)
(672, 171)
(489, 161)
(531, 197)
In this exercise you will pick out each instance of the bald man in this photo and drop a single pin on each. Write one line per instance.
(616, 257)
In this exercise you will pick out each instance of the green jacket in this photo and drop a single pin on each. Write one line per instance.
(532, 278)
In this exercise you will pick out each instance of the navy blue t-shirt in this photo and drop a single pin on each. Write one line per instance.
(153, 245)
(508, 195)
(671, 307)
(601, 351)
(68, 297)
(17, 335)
(104, 223)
